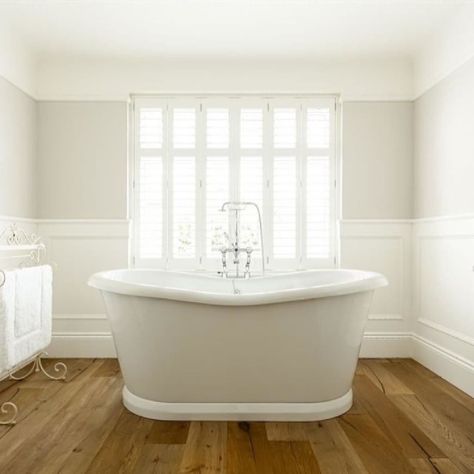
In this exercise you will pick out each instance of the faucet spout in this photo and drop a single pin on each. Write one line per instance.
(234, 248)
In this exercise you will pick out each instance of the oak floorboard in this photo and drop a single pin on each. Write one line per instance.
(397, 427)
(377, 452)
(41, 420)
(404, 419)
(205, 448)
(333, 450)
(159, 459)
(168, 432)
(240, 452)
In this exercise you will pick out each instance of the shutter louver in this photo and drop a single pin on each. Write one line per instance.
(284, 207)
(317, 128)
(184, 128)
(284, 128)
(151, 128)
(217, 128)
(251, 128)
(317, 207)
(217, 192)
(184, 207)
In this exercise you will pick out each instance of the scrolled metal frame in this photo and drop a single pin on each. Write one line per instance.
(12, 237)
(36, 366)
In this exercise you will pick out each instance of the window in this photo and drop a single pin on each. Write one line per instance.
(193, 154)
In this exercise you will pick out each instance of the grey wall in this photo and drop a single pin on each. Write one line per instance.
(377, 160)
(18, 163)
(444, 151)
(83, 158)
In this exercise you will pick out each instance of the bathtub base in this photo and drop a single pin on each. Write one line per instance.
(237, 411)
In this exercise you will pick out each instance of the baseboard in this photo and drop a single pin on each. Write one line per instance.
(87, 345)
(93, 344)
(451, 367)
(386, 344)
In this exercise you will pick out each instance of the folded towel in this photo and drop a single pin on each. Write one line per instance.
(25, 314)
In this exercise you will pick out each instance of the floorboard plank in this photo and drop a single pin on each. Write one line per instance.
(205, 448)
(332, 448)
(404, 419)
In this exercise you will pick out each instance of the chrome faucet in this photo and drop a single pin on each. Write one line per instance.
(234, 247)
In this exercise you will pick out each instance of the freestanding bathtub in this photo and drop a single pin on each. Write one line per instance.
(197, 347)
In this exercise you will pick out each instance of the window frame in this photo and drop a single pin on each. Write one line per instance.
(234, 102)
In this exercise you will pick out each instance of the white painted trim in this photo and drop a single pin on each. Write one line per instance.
(420, 220)
(376, 221)
(385, 317)
(386, 344)
(445, 330)
(82, 221)
(26, 220)
(83, 345)
(448, 365)
(237, 411)
(79, 317)
(100, 344)
(415, 220)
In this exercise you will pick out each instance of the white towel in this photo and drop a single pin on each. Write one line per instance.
(25, 314)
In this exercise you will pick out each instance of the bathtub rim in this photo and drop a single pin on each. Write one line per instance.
(367, 281)
(289, 411)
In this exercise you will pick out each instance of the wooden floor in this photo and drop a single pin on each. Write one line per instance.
(404, 419)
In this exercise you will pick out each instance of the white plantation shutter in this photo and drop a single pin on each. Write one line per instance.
(184, 128)
(251, 189)
(151, 128)
(284, 128)
(193, 154)
(217, 192)
(251, 128)
(284, 207)
(317, 207)
(151, 207)
(217, 128)
(317, 128)
(184, 207)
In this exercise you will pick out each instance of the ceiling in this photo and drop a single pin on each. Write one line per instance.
(226, 28)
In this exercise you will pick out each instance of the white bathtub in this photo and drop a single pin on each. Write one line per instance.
(198, 347)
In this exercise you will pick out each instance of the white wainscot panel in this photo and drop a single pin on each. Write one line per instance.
(382, 247)
(444, 303)
(446, 284)
(76, 250)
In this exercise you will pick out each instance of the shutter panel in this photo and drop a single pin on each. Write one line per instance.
(284, 128)
(317, 127)
(317, 207)
(151, 207)
(217, 128)
(184, 206)
(251, 128)
(217, 192)
(151, 128)
(251, 189)
(184, 128)
(284, 207)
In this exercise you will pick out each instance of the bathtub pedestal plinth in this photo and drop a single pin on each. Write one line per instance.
(237, 411)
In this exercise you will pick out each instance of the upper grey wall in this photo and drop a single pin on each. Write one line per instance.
(444, 151)
(17, 152)
(377, 160)
(83, 157)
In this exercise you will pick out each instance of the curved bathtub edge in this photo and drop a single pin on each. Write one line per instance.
(236, 411)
